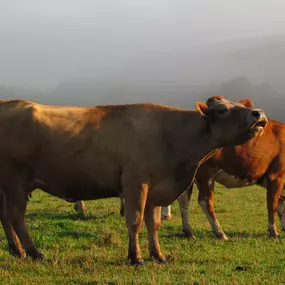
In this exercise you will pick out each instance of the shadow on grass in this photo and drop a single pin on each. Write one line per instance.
(209, 234)
(174, 235)
(97, 283)
(77, 235)
(127, 262)
(68, 216)
(198, 234)
(236, 234)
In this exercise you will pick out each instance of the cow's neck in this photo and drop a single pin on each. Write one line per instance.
(191, 139)
(188, 141)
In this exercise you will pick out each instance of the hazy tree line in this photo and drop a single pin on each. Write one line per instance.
(85, 92)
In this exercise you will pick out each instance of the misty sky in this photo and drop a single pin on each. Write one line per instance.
(45, 42)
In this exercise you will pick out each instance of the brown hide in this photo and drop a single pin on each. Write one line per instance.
(260, 161)
(251, 161)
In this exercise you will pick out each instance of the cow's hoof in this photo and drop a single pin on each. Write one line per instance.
(159, 257)
(80, 211)
(222, 236)
(13, 250)
(189, 235)
(137, 261)
(35, 254)
(273, 234)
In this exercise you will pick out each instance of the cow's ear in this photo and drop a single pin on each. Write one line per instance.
(202, 108)
(247, 103)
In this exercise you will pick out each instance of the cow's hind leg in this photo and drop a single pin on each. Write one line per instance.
(183, 202)
(16, 213)
(135, 200)
(153, 221)
(274, 189)
(15, 247)
(206, 201)
(281, 209)
(80, 207)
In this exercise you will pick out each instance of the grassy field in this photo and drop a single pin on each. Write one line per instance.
(93, 249)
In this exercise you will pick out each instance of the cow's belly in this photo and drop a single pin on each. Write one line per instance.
(81, 191)
(231, 181)
(73, 185)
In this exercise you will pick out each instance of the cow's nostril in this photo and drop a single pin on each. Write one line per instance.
(256, 114)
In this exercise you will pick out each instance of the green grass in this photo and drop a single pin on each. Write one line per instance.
(93, 249)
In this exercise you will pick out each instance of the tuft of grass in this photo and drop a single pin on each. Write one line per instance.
(92, 249)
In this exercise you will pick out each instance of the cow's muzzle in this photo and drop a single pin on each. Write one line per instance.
(259, 122)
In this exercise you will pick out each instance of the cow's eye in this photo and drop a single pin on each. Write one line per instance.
(222, 111)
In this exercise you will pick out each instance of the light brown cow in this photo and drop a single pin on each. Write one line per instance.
(148, 153)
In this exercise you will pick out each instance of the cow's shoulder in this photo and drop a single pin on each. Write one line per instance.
(277, 128)
(272, 139)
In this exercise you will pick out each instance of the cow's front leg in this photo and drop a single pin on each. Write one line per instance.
(274, 189)
(206, 201)
(135, 200)
(183, 202)
(153, 221)
(80, 207)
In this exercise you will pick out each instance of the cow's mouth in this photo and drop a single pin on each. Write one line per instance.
(261, 123)
(257, 127)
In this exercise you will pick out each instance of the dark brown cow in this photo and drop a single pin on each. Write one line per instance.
(147, 153)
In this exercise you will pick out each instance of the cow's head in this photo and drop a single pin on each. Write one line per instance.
(232, 123)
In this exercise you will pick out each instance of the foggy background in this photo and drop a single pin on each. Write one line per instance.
(171, 52)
